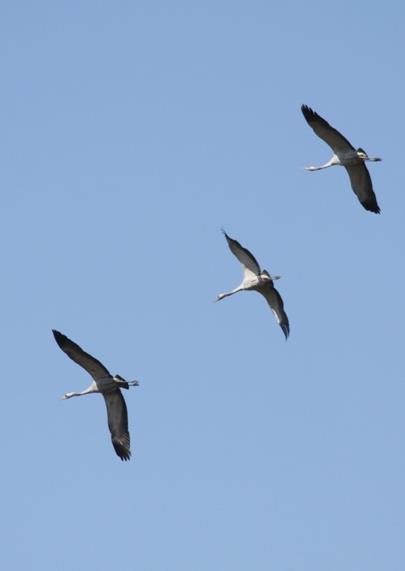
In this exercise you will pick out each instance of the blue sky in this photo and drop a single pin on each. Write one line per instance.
(131, 133)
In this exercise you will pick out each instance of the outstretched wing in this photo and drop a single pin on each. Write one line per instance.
(362, 186)
(326, 132)
(249, 263)
(76, 353)
(275, 301)
(118, 423)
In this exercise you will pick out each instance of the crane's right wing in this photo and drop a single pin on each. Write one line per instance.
(326, 132)
(76, 353)
(362, 186)
(250, 266)
(118, 423)
(276, 304)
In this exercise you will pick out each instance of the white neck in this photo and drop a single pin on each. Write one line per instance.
(228, 293)
(86, 392)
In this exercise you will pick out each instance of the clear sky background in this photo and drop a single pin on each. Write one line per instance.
(131, 132)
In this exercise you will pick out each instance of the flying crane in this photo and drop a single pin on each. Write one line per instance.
(347, 156)
(108, 386)
(258, 280)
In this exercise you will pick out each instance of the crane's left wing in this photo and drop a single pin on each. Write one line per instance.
(76, 353)
(276, 304)
(326, 132)
(250, 265)
(118, 423)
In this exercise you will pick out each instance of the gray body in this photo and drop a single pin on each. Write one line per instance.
(255, 279)
(107, 385)
(345, 155)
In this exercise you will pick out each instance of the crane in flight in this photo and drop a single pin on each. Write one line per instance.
(258, 280)
(346, 155)
(108, 386)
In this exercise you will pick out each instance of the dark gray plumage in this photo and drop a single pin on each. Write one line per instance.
(347, 156)
(258, 280)
(108, 386)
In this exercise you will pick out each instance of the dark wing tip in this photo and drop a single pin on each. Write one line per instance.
(308, 113)
(59, 337)
(286, 329)
(225, 234)
(369, 202)
(228, 238)
(122, 451)
(312, 117)
(372, 207)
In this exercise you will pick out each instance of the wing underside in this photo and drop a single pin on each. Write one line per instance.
(118, 423)
(331, 136)
(76, 353)
(251, 268)
(362, 186)
(276, 304)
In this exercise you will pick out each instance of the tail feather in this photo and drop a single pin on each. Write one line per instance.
(121, 381)
(123, 384)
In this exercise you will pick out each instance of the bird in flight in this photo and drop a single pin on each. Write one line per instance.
(346, 155)
(258, 280)
(108, 386)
